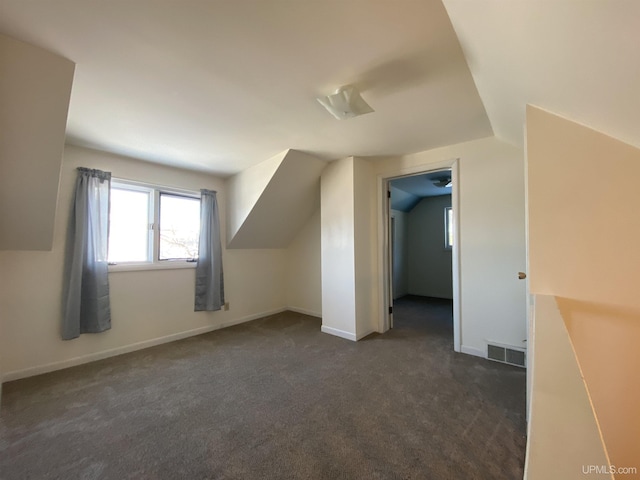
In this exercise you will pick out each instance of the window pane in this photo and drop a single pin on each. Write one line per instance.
(449, 227)
(129, 226)
(179, 227)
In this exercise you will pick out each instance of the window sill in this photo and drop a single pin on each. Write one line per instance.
(136, 267)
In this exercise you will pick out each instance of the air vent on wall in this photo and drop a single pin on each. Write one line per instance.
(504, 354)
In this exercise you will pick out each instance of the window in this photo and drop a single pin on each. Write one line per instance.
(448, 227)
(179, 226)
(152, 225)
(130, 221)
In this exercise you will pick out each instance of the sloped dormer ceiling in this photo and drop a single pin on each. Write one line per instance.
(34, 97)
(220, 85)
(576, 58)
(269, 202)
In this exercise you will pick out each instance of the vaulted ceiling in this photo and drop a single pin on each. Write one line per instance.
(221, 85)
(576, 58)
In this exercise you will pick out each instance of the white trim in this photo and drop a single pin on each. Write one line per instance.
(383, 247)
(154, 193)
(160, 265)
(529, 298)
(472, 351)
(92, 357)
(447, 226)
(455, 257)
(339, 333)
(146, 186)
(383, 252)
(304, 311)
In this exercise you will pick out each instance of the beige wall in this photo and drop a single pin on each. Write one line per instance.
(563, 438)
(245, 188)
(277, 209)
(364, 192)
(148, 307)
(584, 246)
(35, 86)
(304, 275)
(491, 234)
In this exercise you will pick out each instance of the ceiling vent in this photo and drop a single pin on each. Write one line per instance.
(345, 103)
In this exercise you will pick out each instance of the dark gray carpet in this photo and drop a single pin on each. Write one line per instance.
(275, 399)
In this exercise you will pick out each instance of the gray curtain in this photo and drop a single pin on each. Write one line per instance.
(209, 279)
(86, 304)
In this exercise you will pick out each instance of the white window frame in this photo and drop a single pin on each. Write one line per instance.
(448, 223)
(153, 263)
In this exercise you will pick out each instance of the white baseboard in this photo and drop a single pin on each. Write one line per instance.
(304, 311)
(92, 357)
(338, 333)
(473, 351)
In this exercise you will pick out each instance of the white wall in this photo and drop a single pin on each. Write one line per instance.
(364, 192)
(429, 260)
(304, 274)
(338, 251)
(245, 188)
(35, 86)
(563, 436)
(289, 198)
(348, 250)
(153, 305)
(584, 239)
(491, 235)
(148, 307)
(400, 255)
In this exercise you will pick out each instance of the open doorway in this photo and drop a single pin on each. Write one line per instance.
(421, 251)
(421, 241)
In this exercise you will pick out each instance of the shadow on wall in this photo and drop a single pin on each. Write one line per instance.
(604, 339)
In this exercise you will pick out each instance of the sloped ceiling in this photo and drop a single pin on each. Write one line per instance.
(576, 58)
(406, 192)
(423, 185)
(221, 85)
(35, 86)
(292, 190)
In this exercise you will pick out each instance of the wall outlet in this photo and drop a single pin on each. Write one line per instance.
(226, 306)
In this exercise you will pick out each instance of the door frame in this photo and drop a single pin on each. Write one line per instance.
(392, 245)
(385, 295)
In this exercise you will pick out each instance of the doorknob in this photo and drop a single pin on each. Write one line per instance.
(522, 275)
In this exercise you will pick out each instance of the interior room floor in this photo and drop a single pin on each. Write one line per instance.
(275, 399)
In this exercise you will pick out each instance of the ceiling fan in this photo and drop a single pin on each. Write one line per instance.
(442, 182)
